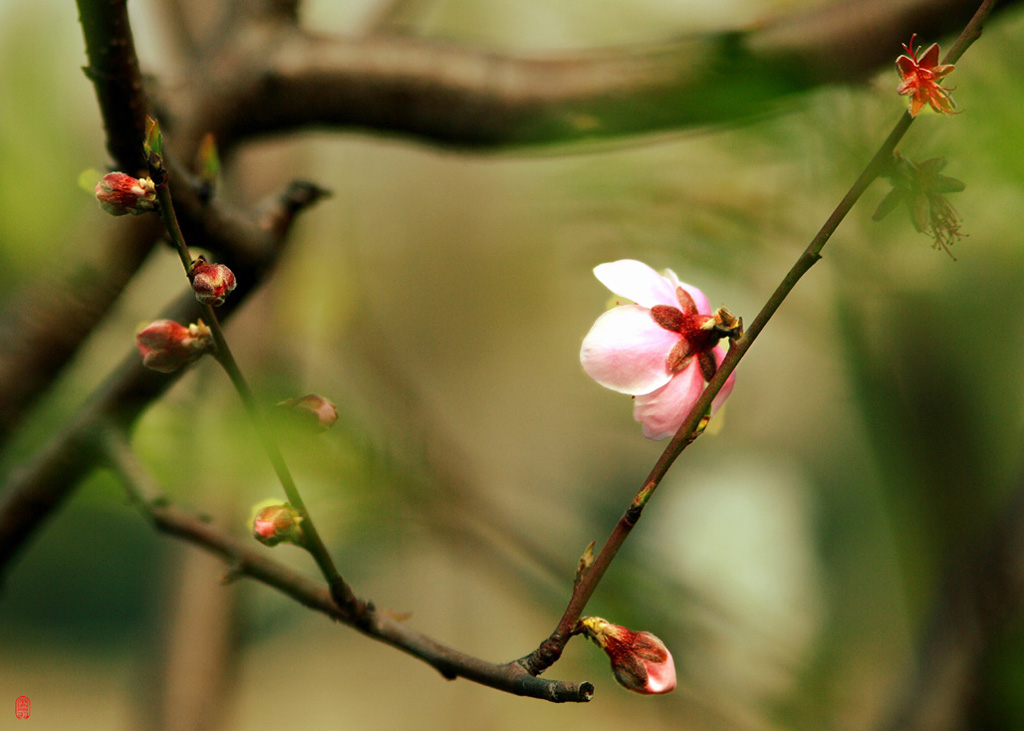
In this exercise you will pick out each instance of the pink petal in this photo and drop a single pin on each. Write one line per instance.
(661, 676)
(636, 281)
(627, 351)
(699, 299)
(663, 411)
(264, 527)
(723, 394)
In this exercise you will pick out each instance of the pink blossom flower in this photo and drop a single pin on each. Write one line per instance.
(640, 661)
(662, 349)
(920, 79)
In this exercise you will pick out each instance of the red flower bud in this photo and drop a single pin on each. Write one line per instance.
(640, 661)
(211, 282)
(315, 408)
(119, 194)
(274, 523)
(166, 346)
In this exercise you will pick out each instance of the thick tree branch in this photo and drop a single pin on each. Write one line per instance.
(43, 326)
(462, 97)
(114, 71)
(41, 332)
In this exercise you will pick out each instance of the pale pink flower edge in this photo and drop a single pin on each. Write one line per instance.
(627, 351)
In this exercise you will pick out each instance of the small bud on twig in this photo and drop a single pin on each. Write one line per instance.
(212, 283)
(119, 194)
(640, 661)
(166, 346)
(314, 408)
(586, 560)
(274, 522)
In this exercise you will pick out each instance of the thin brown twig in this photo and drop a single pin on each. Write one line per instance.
(312, 541)
(245, 560)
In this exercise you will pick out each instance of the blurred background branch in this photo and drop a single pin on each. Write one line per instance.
(457, 96)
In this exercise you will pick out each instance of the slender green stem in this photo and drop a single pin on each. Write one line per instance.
(550, 650)
(166, 208)
(312, 542)
(120, 457)
(311, 537)
(971, 32)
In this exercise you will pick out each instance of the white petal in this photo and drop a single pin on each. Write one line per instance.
(626, 351)
(636, 281)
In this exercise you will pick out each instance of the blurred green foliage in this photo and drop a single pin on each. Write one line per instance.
(790, 561)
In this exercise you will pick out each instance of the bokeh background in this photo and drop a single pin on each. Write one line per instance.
(790, 560)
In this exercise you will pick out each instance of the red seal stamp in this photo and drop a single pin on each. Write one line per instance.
(22, 707)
